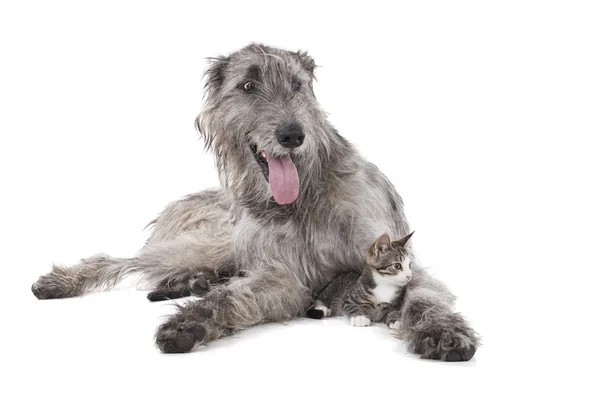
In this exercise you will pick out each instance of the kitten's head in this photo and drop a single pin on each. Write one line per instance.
(391, 259)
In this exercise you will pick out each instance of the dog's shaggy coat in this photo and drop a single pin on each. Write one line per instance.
(253, 259)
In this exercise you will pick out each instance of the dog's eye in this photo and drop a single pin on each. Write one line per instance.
(249, 87)
(295, 86)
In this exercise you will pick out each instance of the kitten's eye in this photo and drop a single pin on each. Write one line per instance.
(295, 86)
(398, 267)
(249, 87)
(410, 265)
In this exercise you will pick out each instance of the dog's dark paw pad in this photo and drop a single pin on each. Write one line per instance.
(43, 292)
(174, 337)
(199, 332)
(461, 355)
(36, 290)
(455, 355)
(200, 285)
(160, 295)
(184, 342)
(157, 295)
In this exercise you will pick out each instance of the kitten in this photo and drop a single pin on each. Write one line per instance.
(376, 294)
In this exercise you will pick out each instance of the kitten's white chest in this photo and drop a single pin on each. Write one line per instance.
(386, 289)
(385, 293)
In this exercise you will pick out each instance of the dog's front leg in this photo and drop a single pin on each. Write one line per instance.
(263, 296)
(429, 324)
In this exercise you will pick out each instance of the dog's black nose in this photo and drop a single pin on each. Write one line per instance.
(290, 136)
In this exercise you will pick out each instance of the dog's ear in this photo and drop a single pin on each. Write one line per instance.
(215, 73)
(402, 242)
(306, 61)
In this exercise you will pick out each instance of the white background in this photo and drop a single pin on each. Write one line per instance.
(484, 115)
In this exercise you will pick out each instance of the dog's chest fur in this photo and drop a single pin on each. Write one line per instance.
(318, 250)
(325, 239)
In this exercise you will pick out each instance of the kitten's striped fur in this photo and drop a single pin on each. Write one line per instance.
(376, 295)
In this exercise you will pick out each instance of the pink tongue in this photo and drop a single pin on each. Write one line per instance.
(283, 179)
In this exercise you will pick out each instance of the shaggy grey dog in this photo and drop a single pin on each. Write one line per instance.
(297, 206)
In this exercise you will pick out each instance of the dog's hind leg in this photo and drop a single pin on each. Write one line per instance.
(264, 296)
(94, 273)
(190, 264)
(193, 258)
(193, 281)
(189, 249)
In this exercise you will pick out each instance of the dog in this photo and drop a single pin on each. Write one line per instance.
(295, 208)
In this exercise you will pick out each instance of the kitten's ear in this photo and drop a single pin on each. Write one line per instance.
(382, 245)
(402, 242)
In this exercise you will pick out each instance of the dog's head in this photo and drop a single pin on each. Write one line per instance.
(264, 124)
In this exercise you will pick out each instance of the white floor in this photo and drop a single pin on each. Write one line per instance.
(101, 346)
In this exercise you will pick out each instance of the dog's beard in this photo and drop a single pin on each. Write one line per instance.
(281, 173)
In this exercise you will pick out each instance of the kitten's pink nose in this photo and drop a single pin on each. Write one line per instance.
(408, 278)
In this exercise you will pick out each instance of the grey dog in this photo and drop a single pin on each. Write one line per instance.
(297, 205)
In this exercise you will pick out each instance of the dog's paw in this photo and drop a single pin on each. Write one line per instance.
(197, 284)
(168, 294)
(42, 291)
(179, 336)
(449, 349)
(445, 344)
(201, 284)
(360, 320)
(58, 284)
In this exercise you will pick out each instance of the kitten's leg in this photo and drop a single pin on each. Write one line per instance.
(392, 319)
(394, 325)
(430, 326)
(360, 320)
(358, 308)
(264, 296)
(391, 313)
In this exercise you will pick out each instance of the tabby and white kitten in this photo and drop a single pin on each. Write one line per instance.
(376, 294)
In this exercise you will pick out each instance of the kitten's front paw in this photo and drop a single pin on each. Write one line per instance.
(360, 320)
(394, 325)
